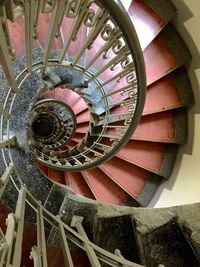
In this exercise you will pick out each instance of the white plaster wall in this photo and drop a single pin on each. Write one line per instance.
(184, 185)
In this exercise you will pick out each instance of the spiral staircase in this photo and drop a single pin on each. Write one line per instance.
(80, 131)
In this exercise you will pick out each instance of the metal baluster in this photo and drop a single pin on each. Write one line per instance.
(96, 153)
(122, 90)
(39, 4)
(19, 217)
(30, 10)
(57, 15)
(5, 178)
(116, 126)
(113, 137)
(117, 59)
(87, 159)
(3, 250)
(120, 75)
(120, 116)
(84, 5)
(78, 162)
(36, 257)
(9, 236)
(65, 246)
(125, 102)
(118, 253)
(102, 18)
(4, 112)
(77, 222)
(106, 147)
(6, 31)
(8, 142)
(41, 239)
(124, 264)
(104, 48)
(5, 60)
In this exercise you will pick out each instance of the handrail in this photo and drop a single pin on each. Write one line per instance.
(79, 238)
(120, 37)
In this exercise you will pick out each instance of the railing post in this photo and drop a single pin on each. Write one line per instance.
(4, 112)
(3, 251)
(77, 223)
(3, 248)
(64, 243)
(9, 236)
(8, 142)
(19, 217)
(30, 11)
(5, 178)
(36, 256)
(41, 239)
(5, 59)
(118, 253)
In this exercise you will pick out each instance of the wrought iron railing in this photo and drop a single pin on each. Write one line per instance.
(107, 61)
(11, 241)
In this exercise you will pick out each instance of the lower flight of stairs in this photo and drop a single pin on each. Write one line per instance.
(168, 236)
(151, 237)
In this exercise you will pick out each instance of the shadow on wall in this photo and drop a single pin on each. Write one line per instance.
(187, 23)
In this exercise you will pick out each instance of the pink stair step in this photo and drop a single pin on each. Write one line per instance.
(162, 95)
(79, 106)
(159, 127)
(82, 127)
(104, 188)
(129, 177)
(83, 117)
(147, 155)
(78, 184)
(56, 176)
(145, 19)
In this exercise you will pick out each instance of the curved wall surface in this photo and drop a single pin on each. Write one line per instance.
(184, 184)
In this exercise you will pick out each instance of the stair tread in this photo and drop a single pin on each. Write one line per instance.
(171, 91)
(82, 127)
(159, 127)
(43, 168)
(68, 96)
(145, 19)
(166, 240)
(78, 184)
(83, 117)
(162, 95)
(71, 144)
(79, 106)
(78, 137)
(49, 94)
(104, 188)
(116, 232)
(56, 176)
(164, 55)
(147, 155)
(130, 177)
